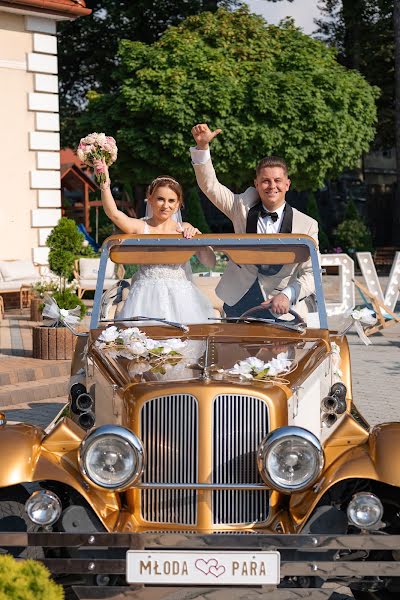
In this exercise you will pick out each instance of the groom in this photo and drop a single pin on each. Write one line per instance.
(259, 209)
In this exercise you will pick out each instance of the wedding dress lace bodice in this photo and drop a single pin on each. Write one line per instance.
(161, 272)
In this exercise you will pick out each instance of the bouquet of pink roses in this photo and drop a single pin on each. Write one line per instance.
(97, 146)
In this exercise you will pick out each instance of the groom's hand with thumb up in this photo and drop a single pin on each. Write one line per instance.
(203, 135)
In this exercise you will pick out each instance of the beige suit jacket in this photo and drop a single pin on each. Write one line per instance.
(237, 279)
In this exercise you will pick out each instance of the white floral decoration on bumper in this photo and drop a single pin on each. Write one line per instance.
(133, 343)
(254, 368)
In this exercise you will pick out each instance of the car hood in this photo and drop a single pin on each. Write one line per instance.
(218, 352)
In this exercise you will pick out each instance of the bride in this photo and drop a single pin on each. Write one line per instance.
(160, 290)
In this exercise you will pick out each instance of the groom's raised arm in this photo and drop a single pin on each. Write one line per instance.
(221, 196)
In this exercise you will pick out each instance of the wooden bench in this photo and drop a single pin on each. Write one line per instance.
(383, 257)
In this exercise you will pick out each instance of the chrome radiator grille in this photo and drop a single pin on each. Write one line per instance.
(169, 431)
(169, 427)
(239, 425)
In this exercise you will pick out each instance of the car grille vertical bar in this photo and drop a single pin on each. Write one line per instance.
(239, 425)
(169, 431)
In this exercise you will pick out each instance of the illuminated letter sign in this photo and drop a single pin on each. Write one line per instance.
(369, 272)
(347, 299)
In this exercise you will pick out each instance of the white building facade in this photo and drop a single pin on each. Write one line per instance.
(30, 194)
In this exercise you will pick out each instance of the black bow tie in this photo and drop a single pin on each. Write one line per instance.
(265, 213)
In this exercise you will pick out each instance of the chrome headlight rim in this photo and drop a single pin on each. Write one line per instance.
(278, 435)
(126, 435)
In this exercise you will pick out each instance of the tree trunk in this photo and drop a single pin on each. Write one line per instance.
(352, 17)
(396, 207)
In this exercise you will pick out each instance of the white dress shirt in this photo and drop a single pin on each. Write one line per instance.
(264, 225)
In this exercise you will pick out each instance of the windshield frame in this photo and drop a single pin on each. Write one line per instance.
(216, 241)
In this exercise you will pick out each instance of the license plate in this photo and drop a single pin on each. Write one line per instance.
(203, 568)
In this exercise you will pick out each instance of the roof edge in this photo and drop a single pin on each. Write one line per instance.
(49, 7)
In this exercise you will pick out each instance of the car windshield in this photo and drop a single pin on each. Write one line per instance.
(183, 282)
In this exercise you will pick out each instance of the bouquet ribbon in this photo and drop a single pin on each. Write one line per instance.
(60, 316)
(360, 317)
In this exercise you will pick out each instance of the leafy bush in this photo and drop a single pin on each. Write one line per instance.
(26, 580)
(353, 236)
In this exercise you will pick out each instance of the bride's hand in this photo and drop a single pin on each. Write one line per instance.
(100, 166)
(187, 230)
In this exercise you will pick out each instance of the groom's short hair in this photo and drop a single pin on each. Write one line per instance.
(272, 161)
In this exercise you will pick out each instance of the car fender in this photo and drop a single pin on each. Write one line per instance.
(29, 455)
(378, 459)
(20, 447)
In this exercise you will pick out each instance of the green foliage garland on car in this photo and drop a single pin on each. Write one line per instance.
(270, 89)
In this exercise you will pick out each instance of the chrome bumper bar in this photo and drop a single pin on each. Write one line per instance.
(318, 546)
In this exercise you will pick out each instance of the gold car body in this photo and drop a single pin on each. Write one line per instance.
(205, 485)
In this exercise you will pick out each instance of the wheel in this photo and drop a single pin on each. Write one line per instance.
(13, 518)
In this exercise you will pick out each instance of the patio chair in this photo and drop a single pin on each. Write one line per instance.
(385, 317)
(86, 271)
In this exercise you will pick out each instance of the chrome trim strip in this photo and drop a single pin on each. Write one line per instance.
(201, 486)
(245, 539)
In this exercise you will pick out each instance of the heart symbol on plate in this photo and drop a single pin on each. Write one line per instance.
(217, 571)
(205, 565)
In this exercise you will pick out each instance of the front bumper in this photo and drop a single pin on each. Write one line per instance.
(326, 557)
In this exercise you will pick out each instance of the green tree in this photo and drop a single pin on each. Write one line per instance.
(362, 32)
(87, 48)
(312, 210)
(194, 211)
(270, 89)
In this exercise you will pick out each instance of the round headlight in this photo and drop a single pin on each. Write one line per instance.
(290, 458)
(111, 457)
(43, 507)
(365, 510)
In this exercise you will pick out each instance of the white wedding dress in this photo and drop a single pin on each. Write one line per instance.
(166, 291)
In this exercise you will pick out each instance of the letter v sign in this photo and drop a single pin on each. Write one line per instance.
(368, 270)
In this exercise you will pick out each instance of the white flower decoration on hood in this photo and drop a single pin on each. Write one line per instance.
(110, 334)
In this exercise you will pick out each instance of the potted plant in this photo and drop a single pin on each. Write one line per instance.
(46, 285)
(53, 340)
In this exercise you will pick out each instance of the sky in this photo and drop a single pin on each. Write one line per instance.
(303, 12)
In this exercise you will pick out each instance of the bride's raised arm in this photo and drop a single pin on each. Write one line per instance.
(120, 219)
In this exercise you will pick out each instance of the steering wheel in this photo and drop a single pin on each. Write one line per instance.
(264, 312)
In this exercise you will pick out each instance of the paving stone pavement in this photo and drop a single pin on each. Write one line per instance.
(376, 375)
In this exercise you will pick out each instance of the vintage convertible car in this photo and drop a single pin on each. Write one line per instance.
(225, 457)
